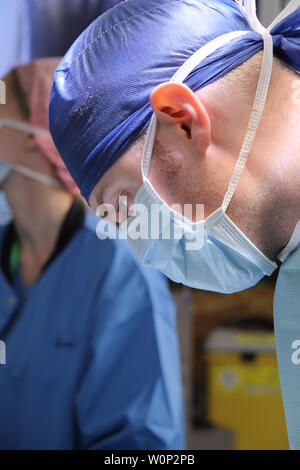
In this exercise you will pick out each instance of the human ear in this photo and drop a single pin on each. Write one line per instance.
(175, 105)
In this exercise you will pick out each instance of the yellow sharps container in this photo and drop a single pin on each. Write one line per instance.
(243, 389)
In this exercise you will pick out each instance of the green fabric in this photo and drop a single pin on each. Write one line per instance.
(14, 257)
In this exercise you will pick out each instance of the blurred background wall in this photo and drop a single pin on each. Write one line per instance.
(268, 9)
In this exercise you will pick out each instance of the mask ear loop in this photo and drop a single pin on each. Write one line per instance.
(28, 129)
(36, 176)
(148, 147)
(181, 74)
(255, 118)
(24, 127)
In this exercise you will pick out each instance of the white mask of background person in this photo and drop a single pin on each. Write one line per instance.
(38, 209)
(195, 153)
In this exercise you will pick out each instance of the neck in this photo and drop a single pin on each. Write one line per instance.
(278, 154)
(38, 212)
(272, 174)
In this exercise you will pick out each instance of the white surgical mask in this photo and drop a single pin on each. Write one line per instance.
(227, 261)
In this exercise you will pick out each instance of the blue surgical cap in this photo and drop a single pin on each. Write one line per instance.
(100, 98)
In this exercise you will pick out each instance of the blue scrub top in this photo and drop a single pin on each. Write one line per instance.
(91, 354)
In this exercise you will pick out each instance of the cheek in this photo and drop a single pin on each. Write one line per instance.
(212, 189)
(190, 184)
(92, 202)
(12, 146)
(170, 179)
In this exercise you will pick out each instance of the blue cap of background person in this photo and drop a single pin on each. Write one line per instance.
(100, 104)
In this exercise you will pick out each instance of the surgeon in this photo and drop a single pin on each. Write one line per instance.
(91, 346)
(217, 94)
